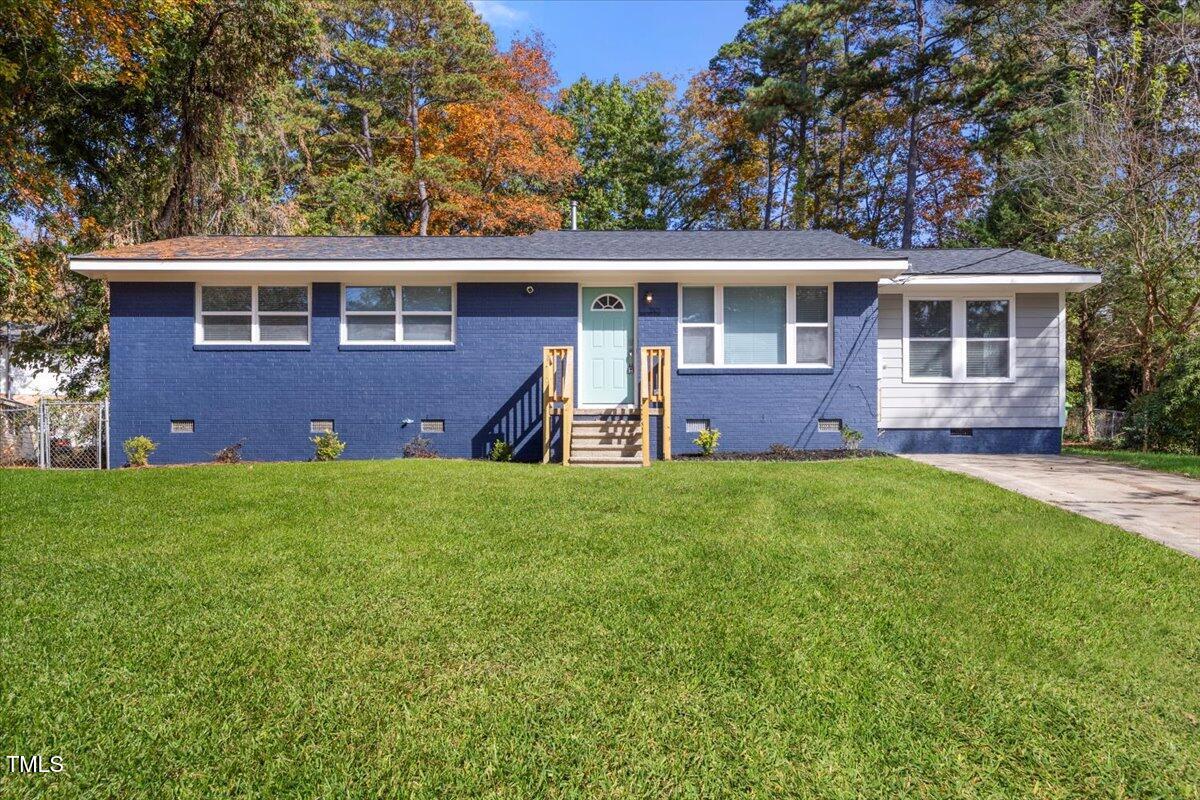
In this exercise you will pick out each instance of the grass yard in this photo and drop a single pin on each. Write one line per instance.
(1161, 462)
(870, 628)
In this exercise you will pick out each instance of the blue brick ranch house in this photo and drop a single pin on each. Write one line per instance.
(557, 339)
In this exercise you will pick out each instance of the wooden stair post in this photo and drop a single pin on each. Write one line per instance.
(655, 397)
(558, 384)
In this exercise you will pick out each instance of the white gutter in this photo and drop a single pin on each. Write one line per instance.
(1065, 282)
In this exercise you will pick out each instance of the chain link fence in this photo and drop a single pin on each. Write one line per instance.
(1106, 424)
(55, 434)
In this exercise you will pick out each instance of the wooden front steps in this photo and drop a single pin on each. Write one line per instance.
(606, 438)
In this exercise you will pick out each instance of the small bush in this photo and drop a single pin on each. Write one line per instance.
(1168, 419)
(706, 440)
(420, 447)
(501, 451)
(851, 438)
(138, 450)
(328, 446)
(229, 455)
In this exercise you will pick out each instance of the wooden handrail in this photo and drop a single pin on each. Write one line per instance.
(558, 384)
(655, 397)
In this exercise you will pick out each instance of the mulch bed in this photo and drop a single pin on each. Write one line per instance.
(787, 454)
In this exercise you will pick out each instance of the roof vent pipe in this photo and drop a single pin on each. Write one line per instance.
(574, 215)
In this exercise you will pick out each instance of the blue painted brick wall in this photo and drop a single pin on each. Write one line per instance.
(983, 440)
(756, 408)
(486, 385)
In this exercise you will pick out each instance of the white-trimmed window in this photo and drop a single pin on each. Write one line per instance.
(960, 340)
(930, 336)
(756, 326)
(254, 314)
(988, 329)
(391, 314)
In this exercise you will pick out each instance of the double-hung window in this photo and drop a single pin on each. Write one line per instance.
(698, 325)
(930, 339)
(987, 329)
(252, 314)
(755, 326)
(389, 314)
(959, 340)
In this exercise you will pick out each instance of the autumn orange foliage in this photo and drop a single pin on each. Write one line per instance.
(80, 40)
(507, 145)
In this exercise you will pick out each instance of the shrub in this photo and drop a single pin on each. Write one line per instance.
(501, 451)
(420, 447)
(328, 446)
(229, 455)
(1168, 418)
(706, 440)
(138, 450)
(851, 438)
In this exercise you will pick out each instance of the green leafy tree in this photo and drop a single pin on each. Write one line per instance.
(624, 142)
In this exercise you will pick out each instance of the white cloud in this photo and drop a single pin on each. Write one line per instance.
(498, 14)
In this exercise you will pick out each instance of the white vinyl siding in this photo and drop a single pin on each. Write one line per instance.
(1031, 398)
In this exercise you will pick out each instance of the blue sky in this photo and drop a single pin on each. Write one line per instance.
(603, 38)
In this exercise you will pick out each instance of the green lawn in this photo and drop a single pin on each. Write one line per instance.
(1161, 462)
(869, 628)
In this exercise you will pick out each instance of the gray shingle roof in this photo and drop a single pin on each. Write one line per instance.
(590, 245)
(984, 261)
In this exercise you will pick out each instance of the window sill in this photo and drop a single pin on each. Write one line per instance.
(351, 347)
(214, 346)
(955, 382)
(750, 370)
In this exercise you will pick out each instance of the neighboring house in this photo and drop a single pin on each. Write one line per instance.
(775, 337)
(23, 385)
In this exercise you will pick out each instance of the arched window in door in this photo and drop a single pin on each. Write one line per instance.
(608, 302)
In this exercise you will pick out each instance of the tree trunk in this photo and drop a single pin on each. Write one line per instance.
(1089, 396)
(801, 191)
(768, 208)
(838, 199)
(175, 217)
(1087, 353)
(8, 392)
(365, 123)
(915, 98)
(422, 190)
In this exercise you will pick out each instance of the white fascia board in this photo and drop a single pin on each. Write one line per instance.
(120, 269)
(1046, 282)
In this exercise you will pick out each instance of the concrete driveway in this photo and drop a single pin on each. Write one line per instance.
(1157, 505)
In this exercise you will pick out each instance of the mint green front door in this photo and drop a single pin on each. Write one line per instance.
(606, 347)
